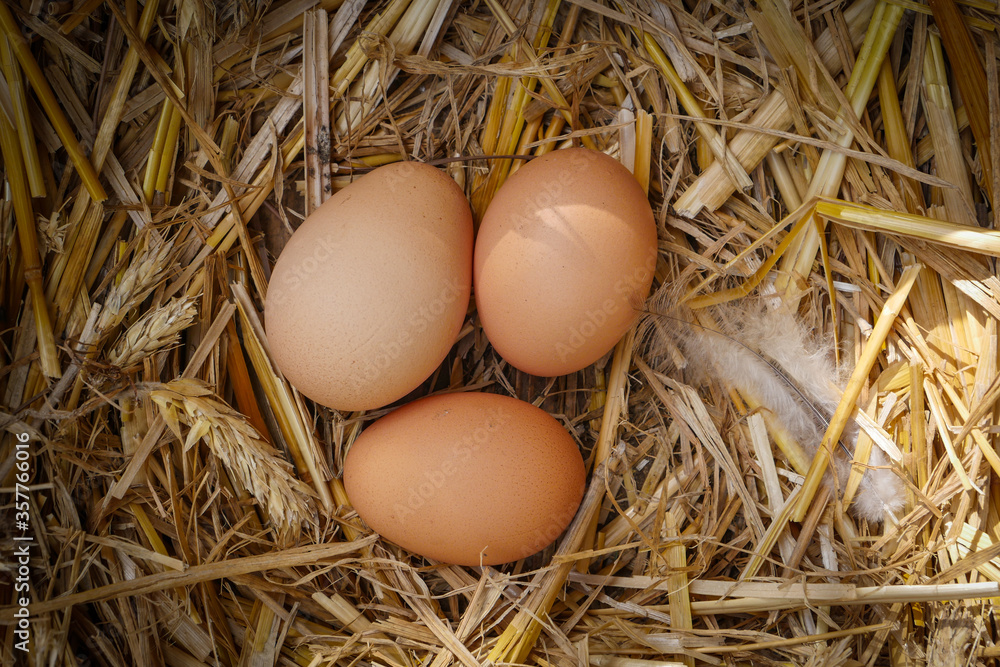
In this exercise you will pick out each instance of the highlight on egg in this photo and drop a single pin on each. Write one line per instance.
(371, 291)
(564, 260)
(466, 478)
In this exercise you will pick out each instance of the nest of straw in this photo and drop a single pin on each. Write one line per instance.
(180, 504)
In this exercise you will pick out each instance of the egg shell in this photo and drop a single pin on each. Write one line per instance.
(466, 478)
(371, 291)
(564, 258)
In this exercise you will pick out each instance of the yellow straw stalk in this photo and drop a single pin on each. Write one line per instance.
(56, 116)
(970, 78)
(25, 220)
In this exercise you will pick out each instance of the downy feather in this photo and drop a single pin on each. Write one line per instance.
(766, 353)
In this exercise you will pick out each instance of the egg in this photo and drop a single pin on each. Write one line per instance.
(564, 260)
(466, 478)
(371, 291)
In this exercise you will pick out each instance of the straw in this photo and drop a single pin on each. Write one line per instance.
(942, 232)
(55, 114)
(970, 78)
(943, 128)
(25, 220)
(316, 108)
(22, 119)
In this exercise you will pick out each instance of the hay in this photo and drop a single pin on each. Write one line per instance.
(179, 503)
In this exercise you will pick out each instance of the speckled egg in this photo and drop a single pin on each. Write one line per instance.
(369, 294)
(467, 478)
(564, 260)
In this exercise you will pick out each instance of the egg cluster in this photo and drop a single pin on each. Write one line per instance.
(371, 293)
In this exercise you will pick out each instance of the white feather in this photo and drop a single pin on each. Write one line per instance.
(767, 354)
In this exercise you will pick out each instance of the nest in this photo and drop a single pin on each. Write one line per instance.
(170, 499)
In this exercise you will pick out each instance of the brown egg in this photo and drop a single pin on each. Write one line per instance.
(466, 478)
(371, 291)
(564, 258)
